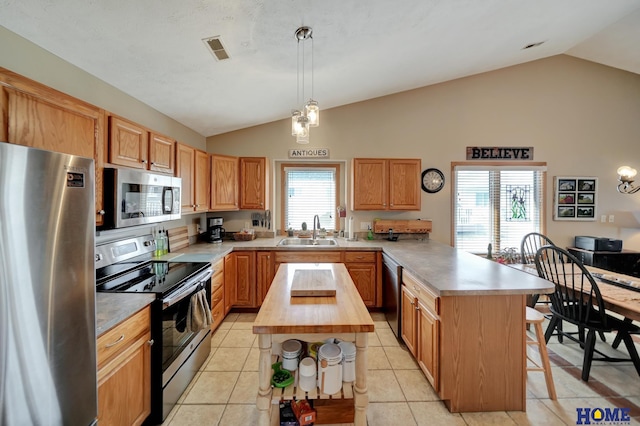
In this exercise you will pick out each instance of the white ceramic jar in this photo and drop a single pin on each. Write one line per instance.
(307, 374)
(348, 361)
(329, 368)
(291, 350)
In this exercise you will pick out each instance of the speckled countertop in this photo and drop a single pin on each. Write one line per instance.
(448, 271)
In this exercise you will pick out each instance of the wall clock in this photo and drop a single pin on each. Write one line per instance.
(432, 180)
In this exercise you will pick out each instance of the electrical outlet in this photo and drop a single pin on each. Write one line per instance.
(603, 218)
(611, 218)
(365, 225)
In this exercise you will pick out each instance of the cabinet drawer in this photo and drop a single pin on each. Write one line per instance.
(217, 315)
(308, 257)
(217, 296)
(123, 335)
(217, 280)
(424, 294)
(359, 256)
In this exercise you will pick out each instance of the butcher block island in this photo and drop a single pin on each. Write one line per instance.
(312, 319)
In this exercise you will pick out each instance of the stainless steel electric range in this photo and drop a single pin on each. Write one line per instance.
(128, 266)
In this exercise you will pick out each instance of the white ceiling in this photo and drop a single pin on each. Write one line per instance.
(153, 49)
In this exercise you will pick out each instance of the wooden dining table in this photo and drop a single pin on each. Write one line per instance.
(617, 299)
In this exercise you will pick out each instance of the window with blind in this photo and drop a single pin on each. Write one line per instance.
(497, 205)
(310, 190)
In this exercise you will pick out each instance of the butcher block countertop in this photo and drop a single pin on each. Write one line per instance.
(446, 270)
(343, 313)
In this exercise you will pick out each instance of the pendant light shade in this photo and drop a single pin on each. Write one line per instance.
(309, 115)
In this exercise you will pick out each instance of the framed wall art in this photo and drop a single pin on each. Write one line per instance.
(574, 198)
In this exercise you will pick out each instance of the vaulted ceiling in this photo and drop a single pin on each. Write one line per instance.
(154, 50)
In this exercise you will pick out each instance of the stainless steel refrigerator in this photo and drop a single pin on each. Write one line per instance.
(47, 288)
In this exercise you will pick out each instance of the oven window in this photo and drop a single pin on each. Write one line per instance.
(176, 335)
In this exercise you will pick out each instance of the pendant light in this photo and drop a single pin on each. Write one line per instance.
(309, 115)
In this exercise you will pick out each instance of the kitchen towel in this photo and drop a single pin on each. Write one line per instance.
(199, 315)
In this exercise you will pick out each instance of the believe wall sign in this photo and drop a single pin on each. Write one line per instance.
(309, 153)
(499, 153)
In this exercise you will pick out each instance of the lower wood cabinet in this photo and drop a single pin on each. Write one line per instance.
(245, 294)
(124, 372)
(217, 294)
(229, 281)
(421, 326)
(365, 269)
(265, 273)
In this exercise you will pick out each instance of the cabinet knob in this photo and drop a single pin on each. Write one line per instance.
(101, 212)
(150, 342)
(417, 308)
(391, 204)
(153, 163)
(412, 303)
(384, 204)
(143, 161)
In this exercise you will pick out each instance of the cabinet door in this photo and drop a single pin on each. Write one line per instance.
(128, 143)
(245, 279)
(162, 154)
(370, 184)
(37, 116)
(124, 386)
(229, 282)
(364, 277)
(201, 183)
(185, 164)
(253, 183)
(224, 182)
(409, 319)
(428, 344)
(265, 274)
(404, 184)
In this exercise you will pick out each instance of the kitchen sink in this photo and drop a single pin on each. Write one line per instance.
(307, 242)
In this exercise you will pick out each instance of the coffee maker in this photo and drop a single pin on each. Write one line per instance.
(215, 231)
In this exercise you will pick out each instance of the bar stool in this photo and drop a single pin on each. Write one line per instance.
(536, 318)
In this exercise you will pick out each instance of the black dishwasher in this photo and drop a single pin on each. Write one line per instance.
(391, 293)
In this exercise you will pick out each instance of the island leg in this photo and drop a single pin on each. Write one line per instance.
(263, 400)
(360, 389)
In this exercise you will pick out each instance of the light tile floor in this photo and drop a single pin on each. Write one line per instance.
(223, 391)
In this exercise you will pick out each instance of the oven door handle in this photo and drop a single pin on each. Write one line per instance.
(186, 289)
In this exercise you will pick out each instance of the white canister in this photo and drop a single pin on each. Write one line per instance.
(291, 350)
(329, 368)
(307, 374)
(348, 361)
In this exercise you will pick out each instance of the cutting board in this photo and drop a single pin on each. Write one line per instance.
(313, 282)
(178, 238)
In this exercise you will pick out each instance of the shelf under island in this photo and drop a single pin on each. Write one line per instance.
(311, 319)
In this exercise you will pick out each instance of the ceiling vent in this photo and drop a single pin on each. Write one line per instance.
(529, 46)
(215, 46)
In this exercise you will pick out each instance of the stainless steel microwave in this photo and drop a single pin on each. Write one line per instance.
(134, 197)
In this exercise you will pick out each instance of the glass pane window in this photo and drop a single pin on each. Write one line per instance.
(496, 205)
(310, 191)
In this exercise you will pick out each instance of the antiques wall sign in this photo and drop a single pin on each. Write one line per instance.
(499, 153)
(309, 153)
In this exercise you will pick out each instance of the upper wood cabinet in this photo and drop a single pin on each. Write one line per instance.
(32, 114)
(224, 182)
(386, 184)
(192, 166)
(254, 183)
(132, 145)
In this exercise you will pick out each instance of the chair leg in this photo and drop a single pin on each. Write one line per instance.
(589, 346)
(553, 322)
(602, 336)
(560, 332)
(618, 338)
(631, 348)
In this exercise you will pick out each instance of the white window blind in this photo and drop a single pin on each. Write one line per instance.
(310, 191)
(497, 205)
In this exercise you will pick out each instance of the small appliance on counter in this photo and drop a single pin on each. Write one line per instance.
(215, 231)
(597, 243)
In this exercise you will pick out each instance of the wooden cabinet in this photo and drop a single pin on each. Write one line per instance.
(162, 154)
(37, 116)
(314, 256)
(217, 295)
(386, 184)
(245, 279)
(124, 372)
(265, 273)
(192, 166)
(254, 183)
(229, 281)
(365, 269)
(421, 326)
(224, 183)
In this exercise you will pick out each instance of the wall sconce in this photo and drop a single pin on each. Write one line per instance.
(625, 177)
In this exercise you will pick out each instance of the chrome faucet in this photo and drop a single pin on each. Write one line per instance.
(316, 219)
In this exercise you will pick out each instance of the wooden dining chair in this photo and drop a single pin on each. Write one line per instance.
(577, 300)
